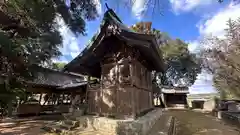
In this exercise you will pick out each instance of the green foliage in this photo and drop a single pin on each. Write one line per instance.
(29, 36)
(58, 65)
(181, 64)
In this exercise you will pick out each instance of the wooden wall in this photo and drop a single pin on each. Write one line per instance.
(125, 90)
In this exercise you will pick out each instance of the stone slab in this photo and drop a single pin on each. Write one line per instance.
(107, 126)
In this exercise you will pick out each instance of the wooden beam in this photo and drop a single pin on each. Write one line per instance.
(87, 89)
(133, 42)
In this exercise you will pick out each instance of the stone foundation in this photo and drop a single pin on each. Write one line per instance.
(107, 126)
(177, 106)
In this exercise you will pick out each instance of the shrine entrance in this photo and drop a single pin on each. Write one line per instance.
(175, 99)
(198, 104)
(174, 96)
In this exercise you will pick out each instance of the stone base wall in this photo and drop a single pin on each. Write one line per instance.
(230, 117)
(177, 106)
(234, 107)
(208, 105)
(107, 126)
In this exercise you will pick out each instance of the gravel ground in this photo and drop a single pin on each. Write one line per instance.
(189, 123)
(197, 123)
(22, 126)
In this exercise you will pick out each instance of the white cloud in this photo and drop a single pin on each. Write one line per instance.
(216, 24)
(70, 41)
(188, 5)
(138, 8)
(68, 2)
(193, 46)
(98, 6)
(213, 25)
(71, 47)
(203, 84)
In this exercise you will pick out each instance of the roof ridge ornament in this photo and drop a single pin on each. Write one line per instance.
(107, 6)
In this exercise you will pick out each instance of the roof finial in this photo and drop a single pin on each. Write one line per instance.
(107, 6)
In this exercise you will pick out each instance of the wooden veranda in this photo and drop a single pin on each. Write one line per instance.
(53, 91)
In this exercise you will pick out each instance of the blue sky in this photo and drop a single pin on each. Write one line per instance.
(189, 20)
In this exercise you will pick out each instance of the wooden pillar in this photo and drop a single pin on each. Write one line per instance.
(52, 99)
(58, 96)
(133, 93)
(86, 95)
(88, 87)
(40, 98)
(71, 97)
(117, 88)
(134, 104)
(151, 86)
(101, 92)
(63, 97)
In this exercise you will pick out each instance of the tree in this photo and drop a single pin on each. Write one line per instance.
(181, 64)
(222, 60)
(58, 65)
(29, 36)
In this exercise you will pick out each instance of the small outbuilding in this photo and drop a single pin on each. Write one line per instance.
(174, 96)
(53, 91)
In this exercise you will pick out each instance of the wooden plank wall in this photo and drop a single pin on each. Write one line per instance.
(93, 96)
(126, 88)
(141, 81)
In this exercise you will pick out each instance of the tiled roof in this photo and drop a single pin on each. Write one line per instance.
(49, 77)
(151, 52)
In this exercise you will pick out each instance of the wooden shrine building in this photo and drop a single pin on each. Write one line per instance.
(174, 96)
(53, 91)
(123, 61)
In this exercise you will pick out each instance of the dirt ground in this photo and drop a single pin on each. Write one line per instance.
(189, 123)
(196, 123)
(22, 127)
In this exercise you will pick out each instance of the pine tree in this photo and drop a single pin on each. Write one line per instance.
(181, 64)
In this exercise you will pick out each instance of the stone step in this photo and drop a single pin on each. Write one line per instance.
(86, 131)
(58, 127)
(67, 125)
(61, 126)
(71, 122)
(53, 128)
